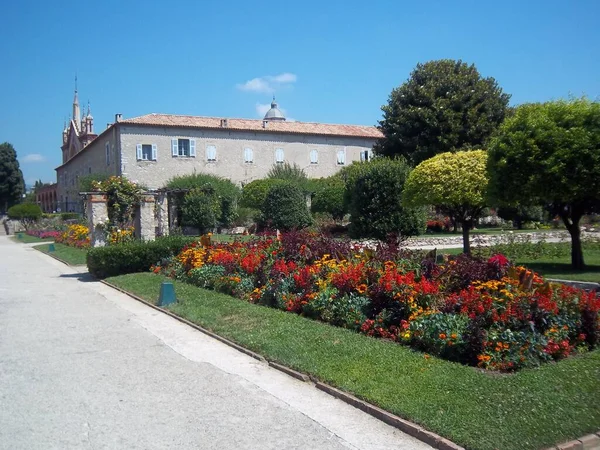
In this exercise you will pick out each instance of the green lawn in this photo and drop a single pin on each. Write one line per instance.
(71, 255)
(534, 408)
(26, 239)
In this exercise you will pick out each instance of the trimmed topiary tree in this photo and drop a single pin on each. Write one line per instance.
(201, 208)
(328, 197)
(26, 213)
(255, 192)
(454, 182)
(375, 201)
(285, 208)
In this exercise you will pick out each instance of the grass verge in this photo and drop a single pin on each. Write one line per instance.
(531, 409)
(26, 239)
(71, 255)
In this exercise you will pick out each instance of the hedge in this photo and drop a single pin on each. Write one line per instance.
(133, 257)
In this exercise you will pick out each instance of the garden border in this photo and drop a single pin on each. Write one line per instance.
(412, 429)
(52, 256)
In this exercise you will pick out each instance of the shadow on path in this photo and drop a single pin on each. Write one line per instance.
(84, 277)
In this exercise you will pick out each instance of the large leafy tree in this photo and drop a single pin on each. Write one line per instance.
(12, 185)
(444, 106)
(454, 182)
(549, 153)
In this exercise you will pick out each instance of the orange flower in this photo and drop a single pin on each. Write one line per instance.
(426, 356)
(453, 335)
(442, 335)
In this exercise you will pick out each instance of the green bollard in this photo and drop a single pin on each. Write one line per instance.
(19, 235)
(167, 294)
(51, 247)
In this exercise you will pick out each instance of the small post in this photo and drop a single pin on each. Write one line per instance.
(19, 235)
(51, 248)
(167, 294)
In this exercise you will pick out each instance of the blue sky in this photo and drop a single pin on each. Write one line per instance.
(326, 61)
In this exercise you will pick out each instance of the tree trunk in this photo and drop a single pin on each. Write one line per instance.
(466, 228)
(519, 224)
(572, 224)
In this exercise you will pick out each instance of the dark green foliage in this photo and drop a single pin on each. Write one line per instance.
(549, 153)
(444, 106)
(255, 192)
(12, 186)
(70, 216)
(375, 201)
(201, 209)
(27, 213)
(133, 257)
(220, 194)
(328, 197)
(521, 214)
(288, 172)
(86, 181)
(285, 208)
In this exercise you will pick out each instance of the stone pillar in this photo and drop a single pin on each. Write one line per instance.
(145, 227)
(162, 213)
(172, 208)
(97, 214)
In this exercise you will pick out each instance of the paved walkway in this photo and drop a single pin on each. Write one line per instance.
(85, 367)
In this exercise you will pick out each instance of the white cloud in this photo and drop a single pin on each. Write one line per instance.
(262, 108)
(34, 158)
(268, 84)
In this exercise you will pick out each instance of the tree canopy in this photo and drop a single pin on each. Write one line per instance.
(454, 182)
(12, 186)
(549, 153)
(445, 105)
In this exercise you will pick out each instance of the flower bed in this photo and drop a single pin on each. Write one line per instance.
(44, 234)
(75, 236)
(484, 313)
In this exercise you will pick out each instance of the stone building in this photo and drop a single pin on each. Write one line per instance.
(153, 148)
(46, 197)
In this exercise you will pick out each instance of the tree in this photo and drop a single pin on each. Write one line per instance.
(520, 214)
(549, 153)
(255, 192)
(26, 213)
(12, 186)
(375, 201)
(328, 197)
(201, 208)
(454, 182)
(444, 106)
(285, 207)
(288, 172)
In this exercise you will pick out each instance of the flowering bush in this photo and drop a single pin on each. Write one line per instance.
(485, 313)
(44, 234)
(75, 236)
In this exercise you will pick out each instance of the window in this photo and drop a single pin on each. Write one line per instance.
(107, 153)
(146, 152)
(341, 157)
(314, 156)
(89, 170)
(279, 155)
(211, 153)
(248, 156)
(365, 156)
(183, 147)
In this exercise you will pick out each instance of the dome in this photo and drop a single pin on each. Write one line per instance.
(274, 113)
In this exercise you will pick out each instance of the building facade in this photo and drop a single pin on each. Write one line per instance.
(47, 198)
(153, 148)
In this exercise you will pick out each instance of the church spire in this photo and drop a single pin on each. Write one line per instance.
(76, 112)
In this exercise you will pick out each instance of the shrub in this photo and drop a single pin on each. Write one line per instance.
(285, 208)
(328, 197)
(133, 257)
(70, 216)
(521, 214)
(375, 196)
(255, 192)
(288, 172)
(27, 213)
(200, 209)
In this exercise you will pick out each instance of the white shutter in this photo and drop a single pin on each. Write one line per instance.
(248, 155)
(314, 156)
(193, 148)
(279, 155)
(174, 148)
(154, 152)
(211, 153)
(341, 157)
(138, 151)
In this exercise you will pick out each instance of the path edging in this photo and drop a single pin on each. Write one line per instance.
(414, 430)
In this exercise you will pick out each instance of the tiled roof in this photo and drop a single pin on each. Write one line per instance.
(168, 120)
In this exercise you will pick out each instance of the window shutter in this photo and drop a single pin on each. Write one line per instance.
(248, 156)
(154, 152)
(314, 156)
(174, 149)
(193, 148)
(279, 155)
(138, 151)
(211, 153)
